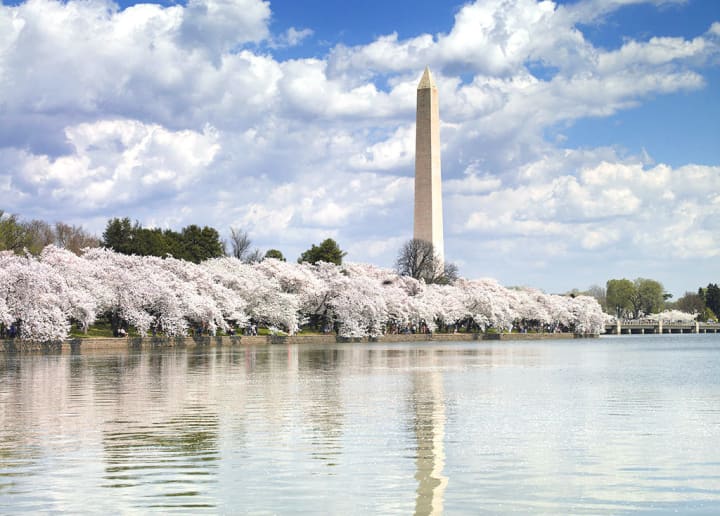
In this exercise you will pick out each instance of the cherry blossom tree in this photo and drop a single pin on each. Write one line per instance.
(673, 316)
(358, 306)
(87, 296)
(42, 296)
(35, 299)
(586, 316)
(265, 301)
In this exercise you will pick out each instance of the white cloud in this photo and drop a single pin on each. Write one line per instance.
(307, 90)
(182, 114)
(370, 250)
(490, 37)
(114, 163)
(392, 153)
(330, 202)
(261, 218)
(656, 51)
(609, 202)
(386, 53)
(472, 183)
(133, 64)
(292, 37)
(596, 239)
(221, 25)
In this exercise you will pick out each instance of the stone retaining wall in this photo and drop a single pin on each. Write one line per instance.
(126, 343)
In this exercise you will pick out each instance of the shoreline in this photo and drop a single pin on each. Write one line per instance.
(139, 343)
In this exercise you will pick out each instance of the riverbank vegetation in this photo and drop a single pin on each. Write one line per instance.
(645, 298)
(31, 236)
(419, 274)
(42, 297)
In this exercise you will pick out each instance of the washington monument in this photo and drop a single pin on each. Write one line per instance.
(428, 187)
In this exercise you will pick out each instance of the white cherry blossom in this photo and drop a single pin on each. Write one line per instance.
(43, 295)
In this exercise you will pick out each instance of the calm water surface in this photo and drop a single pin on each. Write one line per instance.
(613, 426)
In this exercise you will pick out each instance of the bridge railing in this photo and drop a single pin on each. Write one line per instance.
(651, 326)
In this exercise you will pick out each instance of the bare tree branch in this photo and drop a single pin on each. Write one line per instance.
(240, 243)
(418, 259)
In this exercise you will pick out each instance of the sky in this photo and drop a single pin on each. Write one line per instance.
(580, 138)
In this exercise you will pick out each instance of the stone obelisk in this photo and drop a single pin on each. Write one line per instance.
(428, 187)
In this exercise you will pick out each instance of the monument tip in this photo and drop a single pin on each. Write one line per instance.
(427, 80)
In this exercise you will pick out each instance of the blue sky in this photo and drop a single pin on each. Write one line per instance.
(580, 138)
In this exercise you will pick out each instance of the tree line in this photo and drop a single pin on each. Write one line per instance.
(705, 302)
(416, 258)
(195, 244)
(34, 235)
(42, 297)
(632, 299)
(192, 243)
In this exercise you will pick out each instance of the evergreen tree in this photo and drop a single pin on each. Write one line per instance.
(274, 253)
(712, 298)
(328, 251)
(192, 243)
(199, 244)
(118, 235)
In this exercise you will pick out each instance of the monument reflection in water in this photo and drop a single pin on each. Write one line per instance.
(617, 425)
(428, 404)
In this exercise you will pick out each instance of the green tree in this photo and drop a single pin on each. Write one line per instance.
(118, 235)
(173, 243)
(691, 303)
(642, 296)
(619, 294)
(148, 242)
(200, 244)
(33, 236)
(708, 315)
(712, 297)
(192, 243)
(274, 253)
(649, 297)
(12, 233)
(328, 251)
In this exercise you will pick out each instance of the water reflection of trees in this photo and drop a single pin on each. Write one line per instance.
(156, 444)
(172, 460)
(17, 455)
(324, 411)
(138, 415)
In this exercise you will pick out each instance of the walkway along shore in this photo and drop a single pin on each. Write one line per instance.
(124, 343)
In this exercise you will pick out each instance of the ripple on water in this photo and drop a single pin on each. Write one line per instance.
(173, 459)
(466, 428)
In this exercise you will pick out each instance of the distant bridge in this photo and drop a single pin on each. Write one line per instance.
(658, 327)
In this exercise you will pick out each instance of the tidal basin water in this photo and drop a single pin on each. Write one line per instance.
(609, 426)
